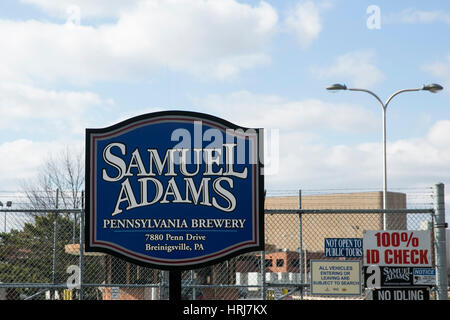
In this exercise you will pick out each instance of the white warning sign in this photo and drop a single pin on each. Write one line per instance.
(330, 277)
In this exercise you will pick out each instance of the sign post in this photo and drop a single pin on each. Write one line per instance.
(175, 285)
(174, 190)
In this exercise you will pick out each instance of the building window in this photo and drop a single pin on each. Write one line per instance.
(268, 263)
(280, 262)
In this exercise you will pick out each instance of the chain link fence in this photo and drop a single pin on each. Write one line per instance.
(40, 256)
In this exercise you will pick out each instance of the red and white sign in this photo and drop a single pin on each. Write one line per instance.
(400, 248)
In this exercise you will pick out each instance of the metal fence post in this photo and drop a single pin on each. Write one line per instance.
(300, 244)
(82, 213)
(263, 275)
(440, 242)
(55, 231)
(263, 262)
(191, 278)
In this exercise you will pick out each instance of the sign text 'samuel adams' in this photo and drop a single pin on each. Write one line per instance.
(174, 189)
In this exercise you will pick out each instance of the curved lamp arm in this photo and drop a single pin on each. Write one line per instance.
(369, 92)
(398, 92)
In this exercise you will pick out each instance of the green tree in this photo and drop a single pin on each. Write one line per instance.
(26, 256)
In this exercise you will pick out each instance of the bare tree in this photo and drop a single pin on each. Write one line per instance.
(63, 172)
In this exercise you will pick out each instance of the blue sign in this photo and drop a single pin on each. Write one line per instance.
(174, 190)
(424, 272)
(343, 247)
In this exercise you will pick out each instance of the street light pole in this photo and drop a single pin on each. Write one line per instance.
(430, 87)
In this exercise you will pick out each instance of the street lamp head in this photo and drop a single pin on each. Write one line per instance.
(337, 86)
(432, 87)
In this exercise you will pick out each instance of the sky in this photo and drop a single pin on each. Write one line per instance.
(68, 65)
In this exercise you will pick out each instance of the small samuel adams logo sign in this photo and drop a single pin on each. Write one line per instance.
(174, 190)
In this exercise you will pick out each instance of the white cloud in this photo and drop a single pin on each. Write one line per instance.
(209, 39)
(439, 134)
(21, 159)
(305, 21)
(417, 161)
(312, 166)
(271, 111)
(301, 127)
(356, 68)
(26, 107)
(440, 70)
